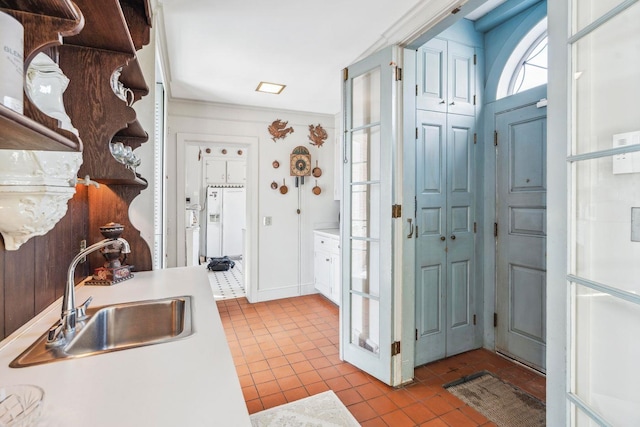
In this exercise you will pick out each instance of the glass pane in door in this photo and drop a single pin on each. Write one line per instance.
(606, 355)
(365, 258)
(587, 11)
(365, 331)
(366, 99)
(606, 213)
(365, 214)
(365, 154)
(606, 84)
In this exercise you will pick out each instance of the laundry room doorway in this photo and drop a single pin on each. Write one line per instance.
(215, 197)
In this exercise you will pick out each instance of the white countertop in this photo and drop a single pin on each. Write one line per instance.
(331, 232)
(187, 382)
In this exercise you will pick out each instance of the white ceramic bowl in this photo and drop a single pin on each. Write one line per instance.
(34, 189)
(28, 167)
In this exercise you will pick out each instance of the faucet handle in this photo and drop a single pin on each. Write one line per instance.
(55, 337)
(81, 310)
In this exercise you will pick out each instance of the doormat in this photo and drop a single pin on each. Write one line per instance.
(500, 402)
(321, 410)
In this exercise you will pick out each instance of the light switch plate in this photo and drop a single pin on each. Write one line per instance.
(266, 220)
(627, 162)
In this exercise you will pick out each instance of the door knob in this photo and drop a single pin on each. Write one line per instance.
(443, 238)
(442, 101)
(453, 237)
(452, 103)
(410, 235)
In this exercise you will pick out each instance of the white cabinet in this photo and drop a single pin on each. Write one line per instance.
(236, 171)
(446, 77)
(218, 171)
(327, 272)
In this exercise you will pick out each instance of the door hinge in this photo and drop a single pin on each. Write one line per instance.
(475, 138)
(395, 348)
(495, 320)
(398, 74)
(456, 10)
(474, 319)
(495, 138)
(474, 100)
(495, 229)
(416, 133)
(416, 334)
(345, 74)
(416, 90)
(475, 227)
(396, 211)
(475, 59)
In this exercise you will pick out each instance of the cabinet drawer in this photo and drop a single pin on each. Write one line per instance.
(322, 243)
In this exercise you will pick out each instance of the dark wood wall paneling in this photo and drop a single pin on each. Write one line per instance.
(34, 276)
(111, 204)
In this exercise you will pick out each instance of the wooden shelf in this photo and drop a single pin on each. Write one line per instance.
(20, 132)
(133, 78)
(137, 13)
(105, 27)
(133, 180)
(133, 135)
(55, 8)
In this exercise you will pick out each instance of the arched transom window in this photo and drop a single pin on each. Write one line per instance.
(526, 67)
(532, 69)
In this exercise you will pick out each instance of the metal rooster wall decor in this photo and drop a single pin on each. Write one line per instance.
(317, 135)
(279, 130)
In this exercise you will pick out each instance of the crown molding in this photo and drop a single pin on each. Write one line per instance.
(413, 24)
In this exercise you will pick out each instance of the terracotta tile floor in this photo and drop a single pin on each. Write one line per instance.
(287, 349)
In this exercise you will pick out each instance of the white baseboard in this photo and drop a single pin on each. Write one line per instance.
(285, 292)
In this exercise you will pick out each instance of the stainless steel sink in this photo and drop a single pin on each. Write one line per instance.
(117, 327)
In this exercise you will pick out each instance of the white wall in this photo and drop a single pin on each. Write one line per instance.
(283, 262)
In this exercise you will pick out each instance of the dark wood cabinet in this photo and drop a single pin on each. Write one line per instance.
(89, 40)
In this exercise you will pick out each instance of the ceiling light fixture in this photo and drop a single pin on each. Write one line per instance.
(274, 88)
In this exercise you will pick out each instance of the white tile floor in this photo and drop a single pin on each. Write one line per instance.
(227, 284)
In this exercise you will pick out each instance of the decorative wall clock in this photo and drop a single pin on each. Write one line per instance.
(300, 162)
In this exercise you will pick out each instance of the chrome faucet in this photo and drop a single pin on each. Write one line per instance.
(66, 326)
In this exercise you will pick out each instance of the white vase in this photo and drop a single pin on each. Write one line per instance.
(11, 62)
